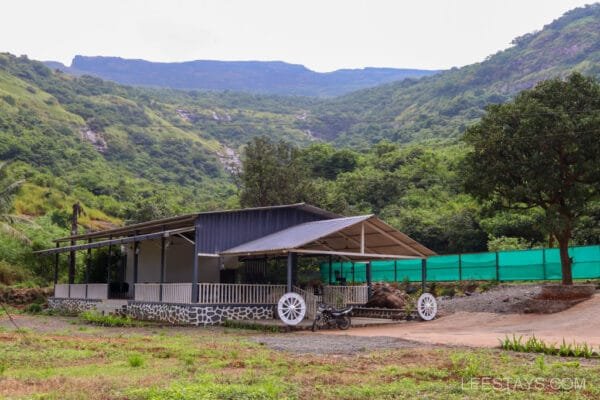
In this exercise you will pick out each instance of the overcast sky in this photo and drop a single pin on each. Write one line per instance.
(322, 34)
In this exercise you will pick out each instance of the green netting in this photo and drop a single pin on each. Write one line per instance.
(518, 265)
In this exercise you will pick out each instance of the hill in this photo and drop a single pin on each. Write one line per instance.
(441, 106)
(273, 77)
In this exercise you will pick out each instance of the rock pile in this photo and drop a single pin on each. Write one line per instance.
(387, 296)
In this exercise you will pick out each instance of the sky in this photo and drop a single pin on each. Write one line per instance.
(323, 35)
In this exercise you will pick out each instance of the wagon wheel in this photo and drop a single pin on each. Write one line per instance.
(427, 307)
(291, 308)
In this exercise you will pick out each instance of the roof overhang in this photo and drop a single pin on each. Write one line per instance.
(360, 237)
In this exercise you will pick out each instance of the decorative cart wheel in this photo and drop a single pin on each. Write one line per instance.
(427, 307)
(291, 308)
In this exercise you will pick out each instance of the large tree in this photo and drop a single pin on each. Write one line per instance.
(273, 173)
(541, 150)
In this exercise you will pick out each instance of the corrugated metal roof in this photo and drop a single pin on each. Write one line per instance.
(189, 219)
(296, 236)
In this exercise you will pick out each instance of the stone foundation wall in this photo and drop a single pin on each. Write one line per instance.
(191, 314)
(72, 306)
(177, 314)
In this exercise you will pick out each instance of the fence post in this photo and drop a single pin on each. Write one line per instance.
(497, 268)
(330, 271)
(369, 288)
(544, 263)
(423, 274)
(396, 271)
(460, 267)
(353, 277)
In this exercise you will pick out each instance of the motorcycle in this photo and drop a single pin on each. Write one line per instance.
(328, 316)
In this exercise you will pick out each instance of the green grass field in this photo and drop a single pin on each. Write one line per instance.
(65, 358)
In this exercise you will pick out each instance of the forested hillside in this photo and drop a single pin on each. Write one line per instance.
(131, 153)
(443, 105)
(264, 77)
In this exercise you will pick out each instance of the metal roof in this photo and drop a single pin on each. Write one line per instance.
(296, 236)
(340, 235)
(183, 221)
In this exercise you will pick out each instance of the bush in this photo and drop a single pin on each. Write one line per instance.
(34, 308)
(135, 360)
(11, 274)
(93, 317)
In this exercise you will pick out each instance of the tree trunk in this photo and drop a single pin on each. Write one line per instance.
(565, 260)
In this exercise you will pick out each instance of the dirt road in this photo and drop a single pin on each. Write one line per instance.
(580, 323)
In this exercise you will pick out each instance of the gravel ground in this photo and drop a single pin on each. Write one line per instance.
(314, 343)
(501, 299)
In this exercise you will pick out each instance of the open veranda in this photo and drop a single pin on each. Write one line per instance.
(55, 357)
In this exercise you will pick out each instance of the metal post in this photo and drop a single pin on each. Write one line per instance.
(88, 265)
(290, 266)
(497, 267)
(353, 276)
(395, 270)
(544, 263)
(163, 254)
(423, 274)
(460, 267)
(368, 273)
(56, 259)
(330, 270)
(136, 256)
(108, 263)
(195, 286)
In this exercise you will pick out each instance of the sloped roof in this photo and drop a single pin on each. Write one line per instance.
(341, 235)
(296, 236)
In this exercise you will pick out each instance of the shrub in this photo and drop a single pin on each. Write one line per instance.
(96, 318)
(135, 360)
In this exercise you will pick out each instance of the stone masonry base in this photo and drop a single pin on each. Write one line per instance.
(178, 314)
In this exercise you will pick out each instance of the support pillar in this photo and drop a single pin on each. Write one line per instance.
(395, 270)
(330, 271)
(195, 286)
(291, 265)
(423, 274)
(56, 260)
(136, 254)
(460, 267)
(108, 259)
(88, 265)
(369, 280)
(163, 260)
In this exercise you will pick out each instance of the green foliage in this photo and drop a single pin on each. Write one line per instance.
(135, 360)
(507, 243)
(539, 151)
(96, 318)
(535, 345)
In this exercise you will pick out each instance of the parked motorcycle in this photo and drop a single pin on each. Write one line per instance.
(329, 317)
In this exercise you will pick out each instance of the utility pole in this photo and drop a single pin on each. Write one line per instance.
(77, 212)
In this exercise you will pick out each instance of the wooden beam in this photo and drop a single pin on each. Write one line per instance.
(362, 237)
(187, 239)
(395, 240)
(353, 240)
(329, 248)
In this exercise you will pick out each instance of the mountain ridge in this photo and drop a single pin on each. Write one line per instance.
(264, 77)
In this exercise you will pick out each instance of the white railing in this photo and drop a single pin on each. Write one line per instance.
(341, 296)
(61, 290)
(233, 293)
(147, 291)
(311, 302)
(78, 291)
(94, 291)
(177, 292)
(97, 291)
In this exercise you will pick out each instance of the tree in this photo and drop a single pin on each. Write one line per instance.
(540, 150)
(7, 220)
(272, 173)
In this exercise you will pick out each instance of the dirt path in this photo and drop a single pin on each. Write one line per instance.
(580, 323)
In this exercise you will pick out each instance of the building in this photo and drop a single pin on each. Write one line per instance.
(206, 267)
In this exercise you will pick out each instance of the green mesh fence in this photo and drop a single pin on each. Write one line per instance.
(518, 265)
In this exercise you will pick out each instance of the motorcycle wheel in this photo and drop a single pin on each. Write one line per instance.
(343, 322)
(315, 324)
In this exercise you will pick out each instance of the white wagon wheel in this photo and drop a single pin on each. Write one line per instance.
(427, 307)
(291, 308)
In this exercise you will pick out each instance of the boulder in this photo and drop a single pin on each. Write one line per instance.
(386, 296)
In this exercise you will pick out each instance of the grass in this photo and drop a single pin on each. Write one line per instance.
(535, 345)
(55, 359)
(96, 318)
